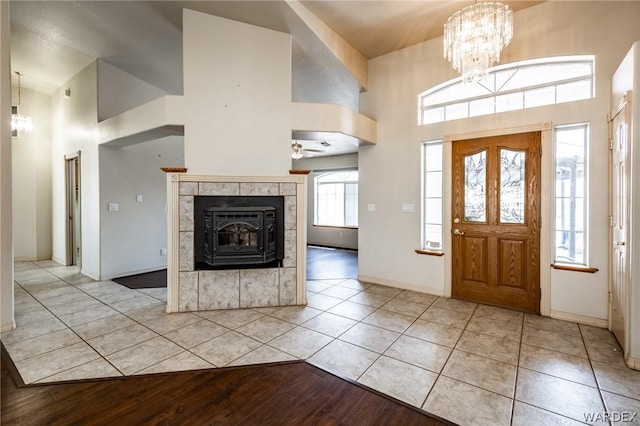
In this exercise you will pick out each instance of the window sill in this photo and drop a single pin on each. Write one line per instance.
(575, 268)
(430, 252)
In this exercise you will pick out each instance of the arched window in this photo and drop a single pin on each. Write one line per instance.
(510, 87)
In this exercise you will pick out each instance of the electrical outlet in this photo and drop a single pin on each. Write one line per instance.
(163, 251)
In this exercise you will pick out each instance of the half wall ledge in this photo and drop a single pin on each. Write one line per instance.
(317, 121)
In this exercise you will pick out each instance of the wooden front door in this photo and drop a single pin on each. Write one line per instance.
(620, 181)
(496, 220)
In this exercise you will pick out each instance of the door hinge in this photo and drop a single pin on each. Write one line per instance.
(610, 297)
(610, 221)
(610, 144)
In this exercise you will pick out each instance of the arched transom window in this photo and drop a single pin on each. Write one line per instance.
(510, 87)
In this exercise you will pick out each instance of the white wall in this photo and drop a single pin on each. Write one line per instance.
(137, 227)
(237, 90)
(109, 238)
(237, 104)
(74, 127)
(324, 235)
(390, 171)
(31, 154)
(119, 91)
(6, 233)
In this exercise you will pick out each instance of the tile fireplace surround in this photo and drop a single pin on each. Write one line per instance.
(189, 289)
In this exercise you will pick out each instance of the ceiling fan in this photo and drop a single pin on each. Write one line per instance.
(298, 151)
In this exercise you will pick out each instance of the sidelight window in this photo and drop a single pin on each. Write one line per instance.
(571, 194)
(432, 196)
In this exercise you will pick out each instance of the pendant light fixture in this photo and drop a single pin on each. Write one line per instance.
(20, 122)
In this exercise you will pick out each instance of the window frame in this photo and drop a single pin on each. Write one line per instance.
(493, 96)
(565, 263)
(424, 247)
(324, 173)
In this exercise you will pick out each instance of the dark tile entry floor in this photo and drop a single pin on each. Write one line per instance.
(329, 263)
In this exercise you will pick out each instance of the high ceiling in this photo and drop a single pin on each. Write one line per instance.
(378, 27)
(51, 41)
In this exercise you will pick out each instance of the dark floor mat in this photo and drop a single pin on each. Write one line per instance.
(146, 280)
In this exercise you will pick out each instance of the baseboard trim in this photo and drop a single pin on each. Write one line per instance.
(322, 246)
(58, 260)
(633, 363)
(397, 284)
(8, 326)
(582, 319)
(89, 274)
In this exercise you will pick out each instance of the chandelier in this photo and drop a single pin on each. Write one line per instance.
(20, 122)
(474, 37)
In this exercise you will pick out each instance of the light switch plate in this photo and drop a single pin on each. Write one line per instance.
(408, 208)
(138, 198)
(371, 207)
(113, 207)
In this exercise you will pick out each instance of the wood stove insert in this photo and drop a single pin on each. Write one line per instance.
(238, 232)
(239, 235)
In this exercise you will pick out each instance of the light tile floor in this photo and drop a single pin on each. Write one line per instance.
(472, 364)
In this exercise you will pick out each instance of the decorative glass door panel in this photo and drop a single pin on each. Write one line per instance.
(512, 186)
(475, 187)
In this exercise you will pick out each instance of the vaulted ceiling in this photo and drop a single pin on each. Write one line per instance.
(51, 41)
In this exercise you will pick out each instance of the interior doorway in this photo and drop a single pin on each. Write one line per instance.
(496, 195)
(73, 210)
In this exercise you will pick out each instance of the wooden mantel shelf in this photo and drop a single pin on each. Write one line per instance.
(174, 169)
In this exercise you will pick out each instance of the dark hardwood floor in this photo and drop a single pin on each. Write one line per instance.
(289, 393)
(327, 263)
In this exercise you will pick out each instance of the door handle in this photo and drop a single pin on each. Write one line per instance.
(458, 232)
(619, 243)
